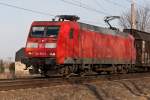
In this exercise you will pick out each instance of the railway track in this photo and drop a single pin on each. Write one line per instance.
(27, 83)
(39, 82)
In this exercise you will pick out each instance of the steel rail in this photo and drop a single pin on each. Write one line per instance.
(46, 82)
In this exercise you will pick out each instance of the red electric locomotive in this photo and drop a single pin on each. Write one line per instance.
(67, 46)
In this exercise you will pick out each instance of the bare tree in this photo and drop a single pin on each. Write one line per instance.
(142, 19)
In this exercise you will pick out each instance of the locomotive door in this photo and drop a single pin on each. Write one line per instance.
(71, 43)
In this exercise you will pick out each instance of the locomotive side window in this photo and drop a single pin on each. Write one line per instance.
(37, 31)
(71, 33)
(52, 31)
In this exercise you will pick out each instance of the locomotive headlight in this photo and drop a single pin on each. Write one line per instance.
(50, 45)
(30, 53)
(32, 45)
(52, 54)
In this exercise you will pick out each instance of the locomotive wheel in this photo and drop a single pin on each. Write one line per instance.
(44, 73)
(64, 71)
(34, 70)
(85, 70)
(82, 74)
(131, 68)
(68, 70)
(123, 69)
(114, 69)
(31, 71)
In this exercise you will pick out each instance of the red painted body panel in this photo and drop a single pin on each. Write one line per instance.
(66, 47)
(107, 47)
(85, 44)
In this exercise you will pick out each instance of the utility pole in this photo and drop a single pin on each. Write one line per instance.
(133, 15)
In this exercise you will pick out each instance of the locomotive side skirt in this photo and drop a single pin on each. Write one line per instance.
(96, 61)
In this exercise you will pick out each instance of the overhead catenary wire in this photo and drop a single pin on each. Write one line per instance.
(88, 5)
(85, 7)
(25, 9)
(128, 1)
(35, 11)
(115, 3)
(100, 5)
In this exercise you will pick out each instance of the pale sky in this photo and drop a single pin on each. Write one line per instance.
(15, 23)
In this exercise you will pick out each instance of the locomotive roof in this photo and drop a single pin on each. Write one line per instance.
(141, 35)
(92, 28)
(103, 30)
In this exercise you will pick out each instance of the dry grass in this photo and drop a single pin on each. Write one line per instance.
(7, 69)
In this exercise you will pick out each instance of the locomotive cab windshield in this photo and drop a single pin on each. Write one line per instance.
(37, 31)
(52, 31)
(41, 31)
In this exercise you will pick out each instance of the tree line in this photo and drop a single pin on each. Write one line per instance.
(142, 18)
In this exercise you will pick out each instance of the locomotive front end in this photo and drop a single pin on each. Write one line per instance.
(41, 45)
(42, 41)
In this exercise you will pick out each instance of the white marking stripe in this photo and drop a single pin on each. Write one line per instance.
(50, 45)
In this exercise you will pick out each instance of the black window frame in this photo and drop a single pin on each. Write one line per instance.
(31, 31)
(51, 26)
(45, 31)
